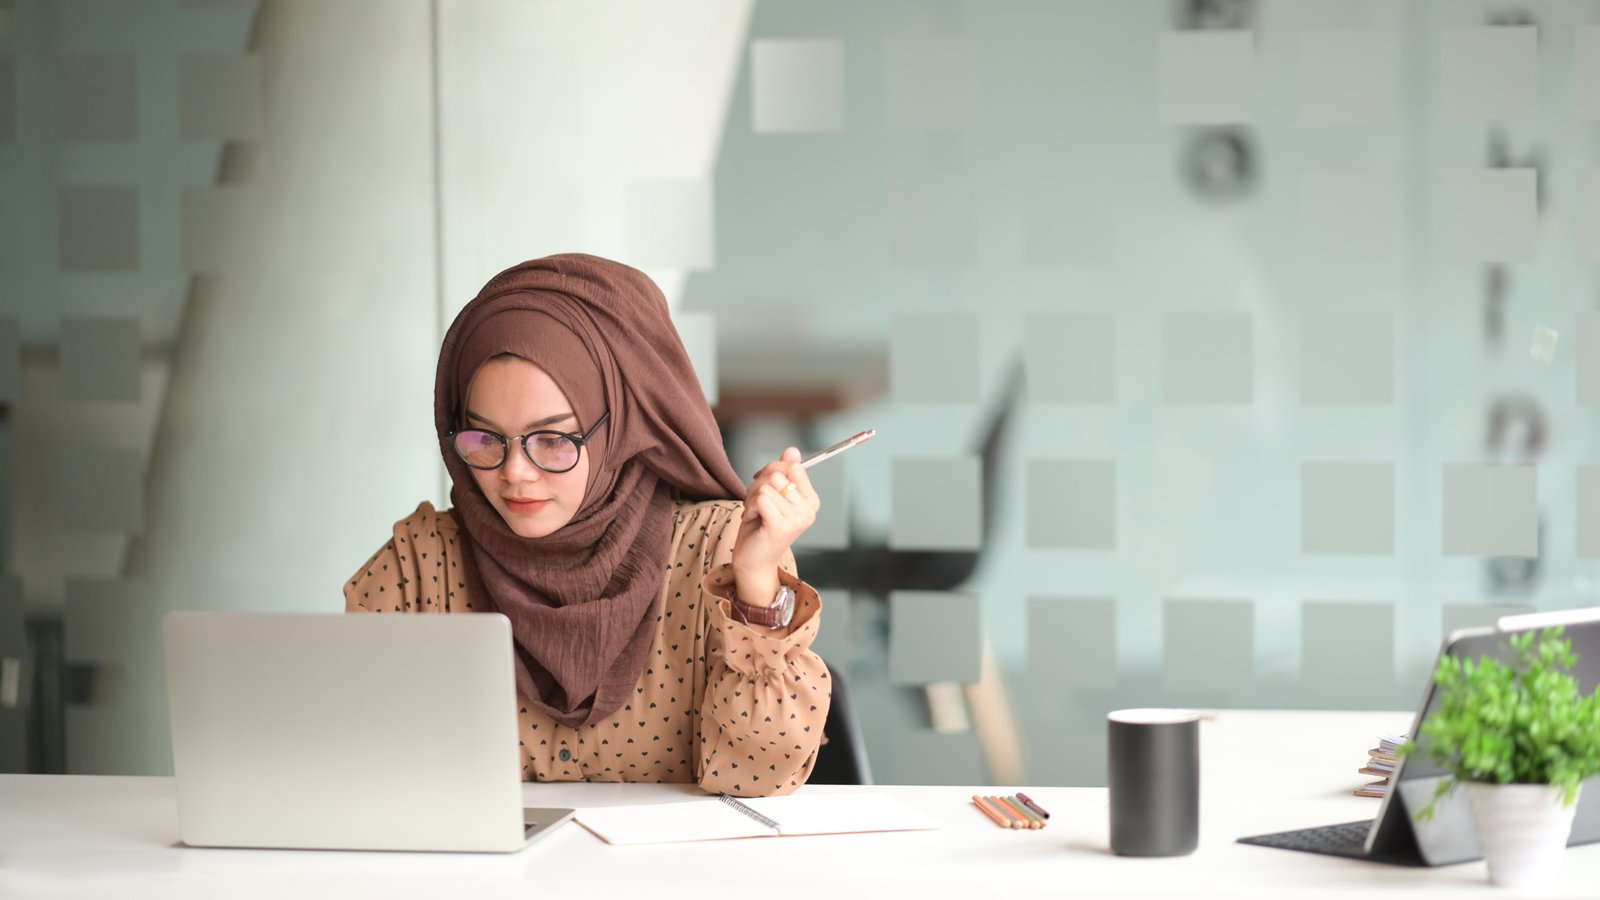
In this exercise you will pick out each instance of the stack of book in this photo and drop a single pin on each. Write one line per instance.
(1381, 762)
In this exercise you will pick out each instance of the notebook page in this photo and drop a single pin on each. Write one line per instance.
(659, 823)
(799, 814)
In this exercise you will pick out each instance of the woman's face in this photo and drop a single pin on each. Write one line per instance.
(513, 396)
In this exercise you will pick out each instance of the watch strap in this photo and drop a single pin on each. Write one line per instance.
(779, 614)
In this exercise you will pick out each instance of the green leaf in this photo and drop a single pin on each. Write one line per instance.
(1525, 723)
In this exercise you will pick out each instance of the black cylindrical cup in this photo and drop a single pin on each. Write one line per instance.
(1154, 762)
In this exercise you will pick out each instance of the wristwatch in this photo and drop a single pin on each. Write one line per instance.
(778, 615)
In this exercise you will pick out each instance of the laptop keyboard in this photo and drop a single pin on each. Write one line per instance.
(1345, 839)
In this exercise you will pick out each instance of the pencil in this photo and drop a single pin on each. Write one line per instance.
(1023, 808)
(1010, 814)
(990, 813)
(1032, 805)
(1006, 815)
(1032, 820)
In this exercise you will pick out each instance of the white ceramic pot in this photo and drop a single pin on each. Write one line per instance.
(1523, 829)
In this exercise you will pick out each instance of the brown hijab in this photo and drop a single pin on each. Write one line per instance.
(582, 601)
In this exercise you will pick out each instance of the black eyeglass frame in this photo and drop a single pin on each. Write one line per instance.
(578, 440)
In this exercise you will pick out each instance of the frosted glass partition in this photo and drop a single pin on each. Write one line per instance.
(220, 97)
(1220, 355)
(99, 228)
(1266, 333)
(97, 98)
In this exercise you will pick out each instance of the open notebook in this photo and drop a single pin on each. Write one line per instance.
(725, 817)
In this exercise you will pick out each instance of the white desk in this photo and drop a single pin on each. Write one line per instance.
(99, 837)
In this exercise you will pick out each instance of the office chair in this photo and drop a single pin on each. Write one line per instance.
(843, 759)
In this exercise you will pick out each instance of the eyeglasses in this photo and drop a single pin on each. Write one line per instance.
(552, 451)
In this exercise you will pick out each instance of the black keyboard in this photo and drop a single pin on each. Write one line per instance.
(1345, 839)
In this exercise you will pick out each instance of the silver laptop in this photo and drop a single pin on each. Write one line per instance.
(351, 732)
(1395, 835)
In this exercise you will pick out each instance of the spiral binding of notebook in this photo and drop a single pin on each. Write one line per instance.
(734, 802)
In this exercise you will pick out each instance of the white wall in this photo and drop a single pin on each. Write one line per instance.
(297, 427)
(552, 112)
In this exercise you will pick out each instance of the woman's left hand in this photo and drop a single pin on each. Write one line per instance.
(780, 505)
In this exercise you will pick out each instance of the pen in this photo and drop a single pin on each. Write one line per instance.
(1032, 805)
(1029, 819)
(838, 448)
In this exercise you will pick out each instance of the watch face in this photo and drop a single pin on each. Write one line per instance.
(785, 609)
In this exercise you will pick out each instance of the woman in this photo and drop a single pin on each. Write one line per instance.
(660, 631)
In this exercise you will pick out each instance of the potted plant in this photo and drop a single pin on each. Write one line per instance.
(1523, 739)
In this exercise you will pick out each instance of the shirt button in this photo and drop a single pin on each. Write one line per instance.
(566, 755)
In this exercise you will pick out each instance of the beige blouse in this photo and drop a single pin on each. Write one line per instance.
(732, 707)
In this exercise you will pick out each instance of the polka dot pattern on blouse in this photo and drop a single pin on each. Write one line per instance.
(732, 707)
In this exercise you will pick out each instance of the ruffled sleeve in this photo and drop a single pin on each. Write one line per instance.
(766, 693)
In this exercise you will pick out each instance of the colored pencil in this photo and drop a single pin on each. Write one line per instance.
(1032, 820)
(1010, 817)
(990, 813)
(1029, 810)
(992, 807)
(1032, 805)
(1021, 821)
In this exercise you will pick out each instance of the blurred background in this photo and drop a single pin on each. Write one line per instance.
(1222, 354)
